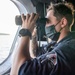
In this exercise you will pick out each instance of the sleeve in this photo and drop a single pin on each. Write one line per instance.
(65, 59)
(36, 67)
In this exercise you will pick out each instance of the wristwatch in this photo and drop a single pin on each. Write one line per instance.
(24, 32)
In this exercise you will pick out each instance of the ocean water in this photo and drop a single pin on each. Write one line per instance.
(5, 46)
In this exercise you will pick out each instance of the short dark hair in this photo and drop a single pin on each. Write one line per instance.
(62, 10)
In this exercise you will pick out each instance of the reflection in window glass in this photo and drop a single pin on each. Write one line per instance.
(8, 29)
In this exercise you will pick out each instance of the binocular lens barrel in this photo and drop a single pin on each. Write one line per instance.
(40, 21)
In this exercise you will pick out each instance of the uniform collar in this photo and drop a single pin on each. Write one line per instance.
(71, 35)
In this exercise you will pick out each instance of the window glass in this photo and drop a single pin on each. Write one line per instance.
(8, 28)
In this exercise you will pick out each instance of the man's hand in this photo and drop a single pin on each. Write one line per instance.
(29, 21)
(34, 33)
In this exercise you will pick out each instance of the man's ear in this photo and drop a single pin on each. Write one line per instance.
(63, 22)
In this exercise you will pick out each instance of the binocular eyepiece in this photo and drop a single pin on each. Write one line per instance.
(40, 21)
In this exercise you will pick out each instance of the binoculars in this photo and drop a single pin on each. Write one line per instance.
(40, 21)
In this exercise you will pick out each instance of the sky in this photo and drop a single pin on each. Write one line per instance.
(8, 11)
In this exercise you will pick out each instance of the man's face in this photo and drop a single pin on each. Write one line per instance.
(52, 20)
